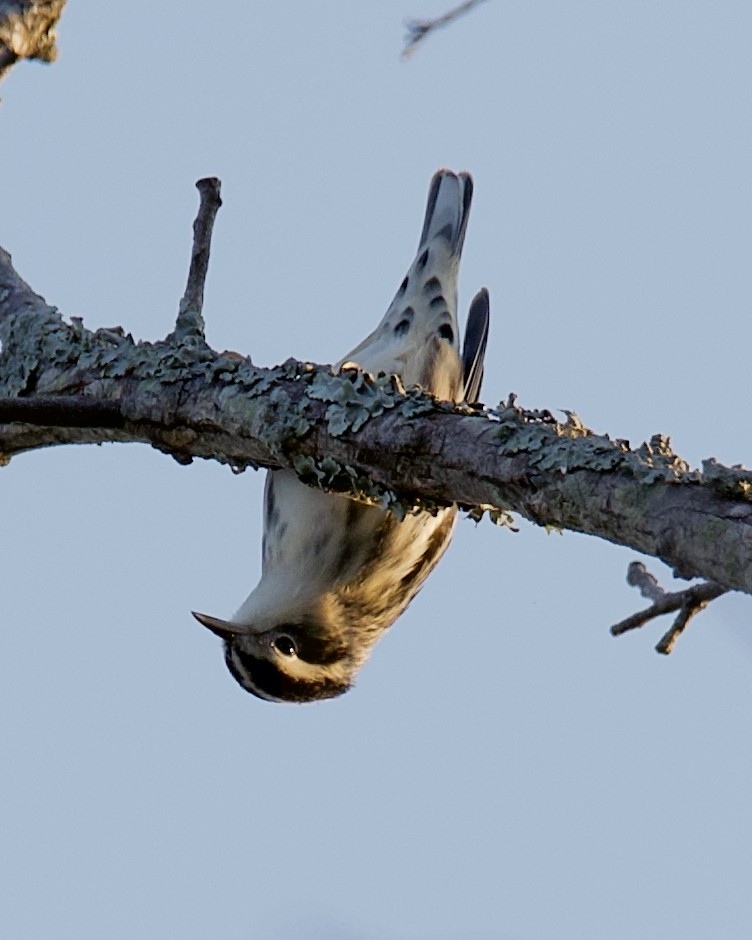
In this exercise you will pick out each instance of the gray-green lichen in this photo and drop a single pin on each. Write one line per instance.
(355, 397)
(281, 407)
(553, 446)
(733, 481)
(329, 475)
(495, 515)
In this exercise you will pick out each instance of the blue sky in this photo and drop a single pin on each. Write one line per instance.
(504, 768)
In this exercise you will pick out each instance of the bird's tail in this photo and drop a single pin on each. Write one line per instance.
(474, 347)
(448, 208)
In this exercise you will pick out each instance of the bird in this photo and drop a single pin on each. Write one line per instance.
(337, 573)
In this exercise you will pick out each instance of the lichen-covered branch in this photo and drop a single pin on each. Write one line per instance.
(27, 31)
(368, 437)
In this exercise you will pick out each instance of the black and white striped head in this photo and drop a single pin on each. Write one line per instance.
(294, 662)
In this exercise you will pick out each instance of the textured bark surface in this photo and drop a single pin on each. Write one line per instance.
(61, 383)
(27, 31)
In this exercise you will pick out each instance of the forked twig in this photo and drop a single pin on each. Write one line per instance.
(688, 602)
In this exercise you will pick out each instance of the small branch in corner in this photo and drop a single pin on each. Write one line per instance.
(190, 321)
(688, 602)
(417, 30)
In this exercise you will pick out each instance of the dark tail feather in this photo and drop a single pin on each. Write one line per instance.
(474, 347)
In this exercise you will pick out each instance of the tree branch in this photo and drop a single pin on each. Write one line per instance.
(364, 436)
(27, 31)
(417, 30)
(190, 322)
(688, 602)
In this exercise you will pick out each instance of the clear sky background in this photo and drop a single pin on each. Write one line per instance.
(503, 768)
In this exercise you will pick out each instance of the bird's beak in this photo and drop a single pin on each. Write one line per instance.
(223, 628)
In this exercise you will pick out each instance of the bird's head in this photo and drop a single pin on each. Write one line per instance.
(288, 662)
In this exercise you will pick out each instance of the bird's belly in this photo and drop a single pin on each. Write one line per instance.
(367, 561)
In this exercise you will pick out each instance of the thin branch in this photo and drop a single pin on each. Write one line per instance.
(417, 30)
(688, 602)
(190, 321)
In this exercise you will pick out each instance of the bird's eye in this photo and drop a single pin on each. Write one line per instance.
(285, 645)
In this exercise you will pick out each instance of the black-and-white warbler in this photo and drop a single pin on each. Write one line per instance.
(337, 573)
